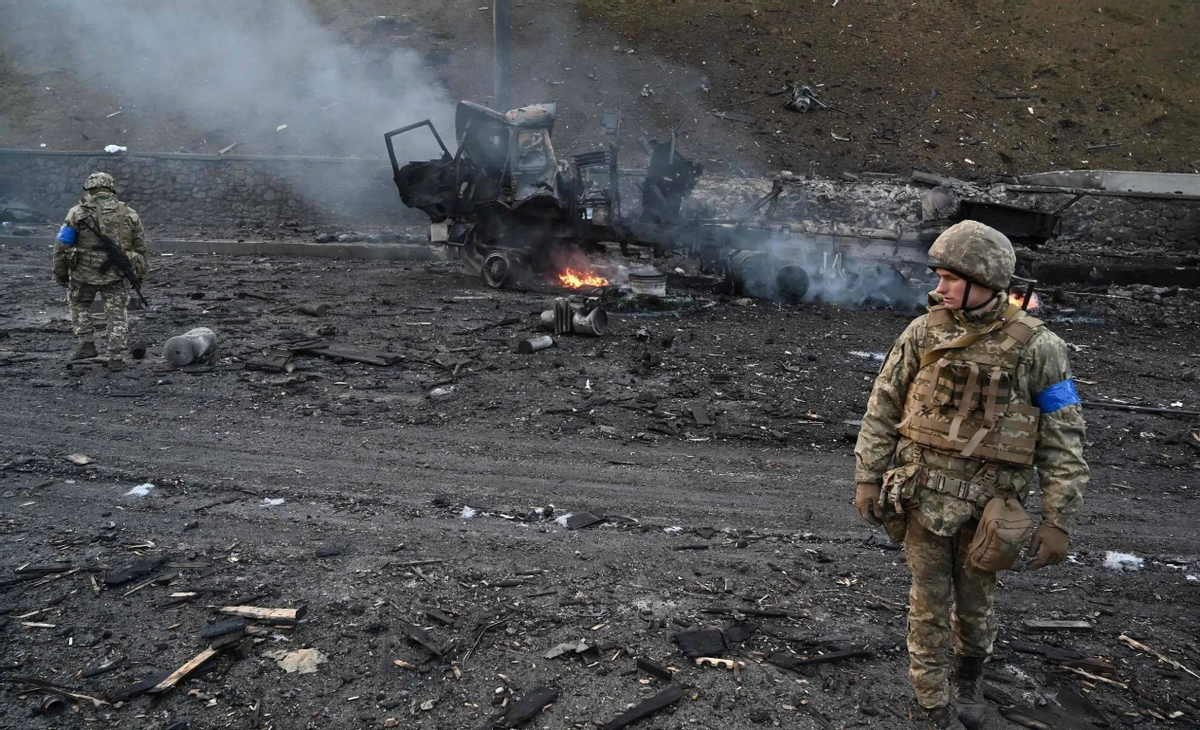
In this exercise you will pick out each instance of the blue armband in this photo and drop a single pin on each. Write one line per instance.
(1057, 396)
(67, 235)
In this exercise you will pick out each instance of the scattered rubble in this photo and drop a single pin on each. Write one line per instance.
(414, 607)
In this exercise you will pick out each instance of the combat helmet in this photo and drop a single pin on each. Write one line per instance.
(978, 253)
(100, 180)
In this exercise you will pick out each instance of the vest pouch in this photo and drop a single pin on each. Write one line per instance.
(899, 487)
(1000, 536)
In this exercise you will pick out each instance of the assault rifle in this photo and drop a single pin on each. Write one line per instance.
(117, 257)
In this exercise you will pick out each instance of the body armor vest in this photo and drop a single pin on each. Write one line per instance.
(89, 257)
(961, 402)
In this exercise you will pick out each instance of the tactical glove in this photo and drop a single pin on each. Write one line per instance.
(63, 280)
(866, 498)
(1049, 546)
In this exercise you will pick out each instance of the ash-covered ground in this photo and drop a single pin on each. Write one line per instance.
(432, 493)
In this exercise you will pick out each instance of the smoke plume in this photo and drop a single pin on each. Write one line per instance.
(793, 270)
(237, 66)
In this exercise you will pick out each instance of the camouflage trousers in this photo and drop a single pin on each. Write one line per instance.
(116, 303)
(949, 606)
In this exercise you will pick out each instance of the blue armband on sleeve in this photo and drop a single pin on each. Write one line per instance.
(1057, 396)
(67, 235)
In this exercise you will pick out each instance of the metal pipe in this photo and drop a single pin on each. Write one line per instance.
(593, 323)
(501, 25)
(533, 344)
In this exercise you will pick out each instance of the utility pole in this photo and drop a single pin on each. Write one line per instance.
(501, 25)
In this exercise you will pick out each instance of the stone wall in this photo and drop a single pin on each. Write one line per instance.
(1124, 225)
(182, 190)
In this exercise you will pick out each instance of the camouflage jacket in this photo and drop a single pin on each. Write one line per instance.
(78, 251)
(1042, 373)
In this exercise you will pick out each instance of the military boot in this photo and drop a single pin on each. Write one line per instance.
(84, 350)
(116, 364)
(970, 705)
(943, 718)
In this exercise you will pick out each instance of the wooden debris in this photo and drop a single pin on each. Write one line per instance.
(1043, 718)
(440, 616)
(526, 708)
(700, 415)
(739, 633)
(42, 570)
(1096, 677)
(139, 688)
(229, 641)
(422, 637)
(176, 676)
(655, 704)
(761, 613)
(244, 648)
(326, 349)
(701, 642)
(136, 570)
(221, 628)
(1052, 625)
(1073, 660)
(654, 668)
(275, 360)
(929, 178)
(99, 669)
(162, 580)
(286, 616)
(736, 117)
(1161, 657)
(787, 661)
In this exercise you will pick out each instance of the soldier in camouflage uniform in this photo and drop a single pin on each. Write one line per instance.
(972, 398)
(82, 265)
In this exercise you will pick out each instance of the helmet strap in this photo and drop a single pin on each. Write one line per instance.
(967, 295)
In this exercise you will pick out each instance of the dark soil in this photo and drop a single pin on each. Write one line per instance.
(973, 89)
(379, 467)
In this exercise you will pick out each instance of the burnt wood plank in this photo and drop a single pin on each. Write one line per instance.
(135, 570)
(657, 703)
(528, 707)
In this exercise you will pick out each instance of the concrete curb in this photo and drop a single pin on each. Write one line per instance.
(364, 251)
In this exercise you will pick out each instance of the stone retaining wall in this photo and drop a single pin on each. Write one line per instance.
(204, 191)
(1129, 226)
(209, 190)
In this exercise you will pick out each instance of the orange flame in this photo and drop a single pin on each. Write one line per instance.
(1019, 300)
(575, 279)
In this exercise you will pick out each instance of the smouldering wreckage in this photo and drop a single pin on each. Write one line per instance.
(512, 211)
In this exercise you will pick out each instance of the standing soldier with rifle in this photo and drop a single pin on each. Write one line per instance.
(101, 249)
(973, 398)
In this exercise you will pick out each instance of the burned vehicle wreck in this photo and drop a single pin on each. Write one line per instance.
(508, 207)
(513, 211)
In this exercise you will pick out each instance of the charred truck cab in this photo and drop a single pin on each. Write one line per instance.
(504, 202)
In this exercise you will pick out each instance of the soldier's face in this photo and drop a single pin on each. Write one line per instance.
(952, 286)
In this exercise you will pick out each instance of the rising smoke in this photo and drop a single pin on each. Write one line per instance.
(243, 67)
(793, 270)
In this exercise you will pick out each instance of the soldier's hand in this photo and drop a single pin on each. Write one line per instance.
(63, 280)
(1048, 546)
(866, 498)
